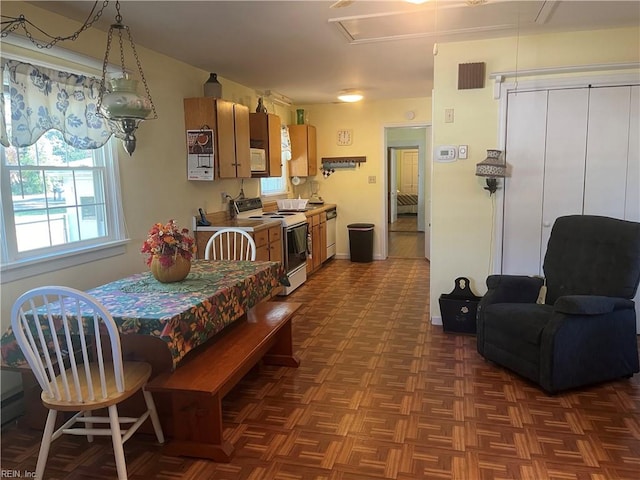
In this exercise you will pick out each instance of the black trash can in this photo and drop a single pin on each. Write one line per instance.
(361, 242)
(459, 308)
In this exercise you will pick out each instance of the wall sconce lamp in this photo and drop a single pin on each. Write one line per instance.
(492, 167)
(120, 104)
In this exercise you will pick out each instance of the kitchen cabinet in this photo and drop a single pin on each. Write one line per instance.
(265, 133)
(230, 124)
(318, 231)
(304, 151)
(269, 244)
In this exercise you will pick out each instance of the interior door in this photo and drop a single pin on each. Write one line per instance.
(409, 171)
(393, 181)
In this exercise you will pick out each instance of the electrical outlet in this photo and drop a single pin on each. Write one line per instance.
(224, 197)
(372, 179)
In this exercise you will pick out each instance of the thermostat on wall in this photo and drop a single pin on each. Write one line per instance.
(446, 153)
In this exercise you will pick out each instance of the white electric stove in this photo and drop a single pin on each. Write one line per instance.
(294, 237)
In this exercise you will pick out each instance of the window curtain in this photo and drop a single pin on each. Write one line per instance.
(286, 143)
(42, 99)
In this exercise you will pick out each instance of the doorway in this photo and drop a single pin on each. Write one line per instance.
(407, 187)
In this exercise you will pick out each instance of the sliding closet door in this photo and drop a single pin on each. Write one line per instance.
(566, 140)
(605, 180)
(632, 204)
(525, 145)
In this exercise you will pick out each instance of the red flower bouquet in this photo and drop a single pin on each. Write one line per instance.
(167, 242)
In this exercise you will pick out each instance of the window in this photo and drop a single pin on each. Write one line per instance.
(278, 185)
(274, 185)
(58, 202)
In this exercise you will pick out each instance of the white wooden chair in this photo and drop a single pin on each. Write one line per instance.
(230, 244)
(94, 375)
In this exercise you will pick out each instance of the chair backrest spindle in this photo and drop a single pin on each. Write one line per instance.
(60, 329)
(230, 244)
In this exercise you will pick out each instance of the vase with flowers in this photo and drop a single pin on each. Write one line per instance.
(169, 251)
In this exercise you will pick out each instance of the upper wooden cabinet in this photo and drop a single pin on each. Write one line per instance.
(230, 124)
(265, 133)
(304, 151)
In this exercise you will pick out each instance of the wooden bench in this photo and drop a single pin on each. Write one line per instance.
(199, 383)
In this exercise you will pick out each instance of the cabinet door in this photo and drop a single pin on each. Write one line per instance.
(275, 146)
(312, 151)
(304, 157)
(226, 140)
(275, 244)
(242, 142)
(317, 247)
(323, 237)
(201, 242)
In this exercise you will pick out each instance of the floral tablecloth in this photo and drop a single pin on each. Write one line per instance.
(184, 314)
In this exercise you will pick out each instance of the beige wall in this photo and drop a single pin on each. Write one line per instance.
(153, 180)
(357, 199)
(461, 209)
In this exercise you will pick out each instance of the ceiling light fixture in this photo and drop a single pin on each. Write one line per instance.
(416, 2)
(350, 96)
(120, 104)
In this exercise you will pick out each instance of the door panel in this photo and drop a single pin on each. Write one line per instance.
(526, 130)
(564, 158)
(607, 147)
(632, 204)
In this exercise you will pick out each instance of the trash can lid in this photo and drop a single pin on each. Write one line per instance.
(360, 226)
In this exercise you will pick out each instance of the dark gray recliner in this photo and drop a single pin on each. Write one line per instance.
(585, 332)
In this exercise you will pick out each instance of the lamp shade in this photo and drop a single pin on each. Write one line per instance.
(493, 166)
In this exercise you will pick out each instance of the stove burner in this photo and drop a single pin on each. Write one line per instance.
(252, 208)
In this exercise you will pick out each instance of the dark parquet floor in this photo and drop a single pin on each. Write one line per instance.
(382, 394)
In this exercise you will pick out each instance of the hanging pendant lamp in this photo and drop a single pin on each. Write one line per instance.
(119, 101)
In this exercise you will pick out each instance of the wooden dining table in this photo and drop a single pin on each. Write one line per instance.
(163, 323)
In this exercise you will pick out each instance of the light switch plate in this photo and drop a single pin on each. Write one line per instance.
(462, 152)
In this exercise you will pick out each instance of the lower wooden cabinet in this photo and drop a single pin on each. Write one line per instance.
(268, 243)
(318, 229)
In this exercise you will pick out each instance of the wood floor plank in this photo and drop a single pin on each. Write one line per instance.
(381, 394)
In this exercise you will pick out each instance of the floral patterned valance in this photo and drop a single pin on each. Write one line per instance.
(42, 99)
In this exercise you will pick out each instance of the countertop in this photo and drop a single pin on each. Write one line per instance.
(250, 225)
(247, 225)
(320, 208)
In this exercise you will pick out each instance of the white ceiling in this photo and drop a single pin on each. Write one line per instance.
(309, 52)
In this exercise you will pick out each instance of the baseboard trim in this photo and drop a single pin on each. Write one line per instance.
(436, 320)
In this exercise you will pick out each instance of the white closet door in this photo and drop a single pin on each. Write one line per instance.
(607, 148)
(632, 206)
(525, 149)
(564, 158)
(409, 176)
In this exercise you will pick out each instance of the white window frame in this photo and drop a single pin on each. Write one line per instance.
(16, 265)
(282, 178)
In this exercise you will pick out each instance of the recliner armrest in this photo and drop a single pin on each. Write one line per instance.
(589, 304)
(512, 289)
